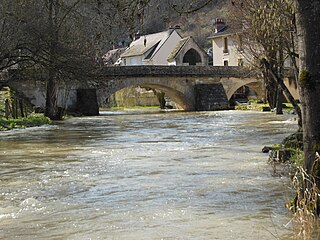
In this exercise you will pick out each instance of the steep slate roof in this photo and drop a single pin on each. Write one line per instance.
(175, 52)
(145, 43)
(227, 30)
(178, 48)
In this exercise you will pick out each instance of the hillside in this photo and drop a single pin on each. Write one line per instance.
(198, 24)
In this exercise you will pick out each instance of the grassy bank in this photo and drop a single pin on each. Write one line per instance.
(32, 120)
(125, 108)
(255, 106)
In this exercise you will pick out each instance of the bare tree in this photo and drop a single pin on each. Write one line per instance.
(268, 28)
(64, 39)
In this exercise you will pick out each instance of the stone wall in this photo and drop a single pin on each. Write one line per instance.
(211, 97)
(209, 71)
(185, 85)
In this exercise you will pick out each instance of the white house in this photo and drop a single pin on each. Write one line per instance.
(163, 48)
(227, 49)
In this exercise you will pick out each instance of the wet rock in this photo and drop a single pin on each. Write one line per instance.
(280, 155)
(266, 149)
(265, 109)
(295, 141)
(30, 203)
(293, 112)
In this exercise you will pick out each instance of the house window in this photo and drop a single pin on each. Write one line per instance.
(225, 49)
(225, 63)
(240, 62)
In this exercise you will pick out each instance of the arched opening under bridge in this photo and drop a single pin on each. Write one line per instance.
(245, 93)
(146, 95)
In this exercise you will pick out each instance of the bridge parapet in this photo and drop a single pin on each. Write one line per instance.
(178, 71)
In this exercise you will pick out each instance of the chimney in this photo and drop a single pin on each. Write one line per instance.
(137, 36)
(175, 28)
(219, 25)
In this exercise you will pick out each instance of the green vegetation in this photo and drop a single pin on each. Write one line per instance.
(304, 204)
(15, 112)
(303, 77)
(252, 105)
(258, 106)
(30, 121)
(134, 107)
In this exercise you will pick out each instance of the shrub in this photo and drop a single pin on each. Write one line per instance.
(30, 121)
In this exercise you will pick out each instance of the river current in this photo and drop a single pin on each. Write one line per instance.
(124, 175)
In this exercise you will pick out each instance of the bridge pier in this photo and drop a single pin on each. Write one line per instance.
(87, 103)
(211, 97)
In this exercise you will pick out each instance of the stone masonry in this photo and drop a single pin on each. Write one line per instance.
(191, 87)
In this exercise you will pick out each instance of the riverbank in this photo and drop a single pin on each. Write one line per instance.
(256, 106)
(33, 120)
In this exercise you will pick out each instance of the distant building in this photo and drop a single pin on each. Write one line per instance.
(163, 48)
(227, 49)
(112, 56)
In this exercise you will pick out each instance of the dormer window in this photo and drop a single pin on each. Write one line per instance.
(225, 48)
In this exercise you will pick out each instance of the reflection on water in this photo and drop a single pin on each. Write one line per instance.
(144, 176)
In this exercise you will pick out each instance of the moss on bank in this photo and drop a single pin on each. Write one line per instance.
(251, 105)
(33, 120)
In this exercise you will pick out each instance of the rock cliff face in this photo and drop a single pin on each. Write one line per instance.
(198, 24)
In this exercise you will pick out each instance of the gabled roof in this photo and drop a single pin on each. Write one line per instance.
(147, 42)
(175, 52)
(178, 48)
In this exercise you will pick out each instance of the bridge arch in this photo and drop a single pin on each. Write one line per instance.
(231, 85)
(177, 92)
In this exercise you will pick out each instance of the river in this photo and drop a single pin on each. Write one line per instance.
(136, 175)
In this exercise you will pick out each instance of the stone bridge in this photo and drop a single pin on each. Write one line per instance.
(191, 87)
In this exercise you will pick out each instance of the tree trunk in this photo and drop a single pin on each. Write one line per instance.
(8, 109)
(284, 89)
(279, 101)
(280, 74)
(21, 108)
(52, 110)
(270, 83)
(160, 96)
(308, 21)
